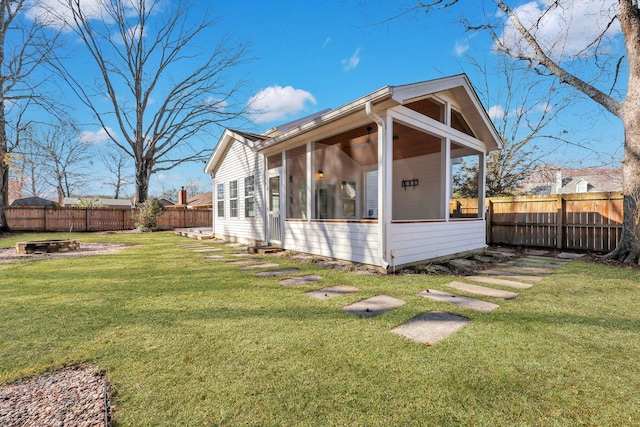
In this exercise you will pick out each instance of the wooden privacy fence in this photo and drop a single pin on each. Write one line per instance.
(27, 218)
(585, 222)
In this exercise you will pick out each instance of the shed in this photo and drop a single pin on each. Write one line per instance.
(368, 182)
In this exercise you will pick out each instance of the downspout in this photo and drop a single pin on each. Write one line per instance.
(382, 131)
(214, 202)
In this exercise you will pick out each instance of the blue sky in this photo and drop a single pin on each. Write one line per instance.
(312, 55)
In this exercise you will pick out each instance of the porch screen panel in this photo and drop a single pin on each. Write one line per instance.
(417, 174)
(297, 183)
(345, 171)
(465, 171)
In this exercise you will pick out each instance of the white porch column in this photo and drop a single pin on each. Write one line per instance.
(482, 183)
(310, 183)
(445, 187)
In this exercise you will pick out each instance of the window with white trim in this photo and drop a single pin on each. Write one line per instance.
(220, 194)
(233, 199)
(249, 197)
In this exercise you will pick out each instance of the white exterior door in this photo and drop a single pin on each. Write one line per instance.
(274, 223)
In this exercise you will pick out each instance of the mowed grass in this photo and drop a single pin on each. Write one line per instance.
(186, 341)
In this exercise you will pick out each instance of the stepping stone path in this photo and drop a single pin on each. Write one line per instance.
(462, 301)
(432, 327)
(429, 328)
(273, 273)
(373, 306)
(300, 280)
(332, 291)
(481, 290)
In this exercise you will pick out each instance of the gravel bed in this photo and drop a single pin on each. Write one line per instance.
(72, 397)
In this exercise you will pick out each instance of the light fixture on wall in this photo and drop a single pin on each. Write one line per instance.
(320, 174)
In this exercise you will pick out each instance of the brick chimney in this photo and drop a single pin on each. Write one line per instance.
(182, 196)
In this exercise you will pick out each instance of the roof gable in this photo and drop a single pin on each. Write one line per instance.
(458, 87)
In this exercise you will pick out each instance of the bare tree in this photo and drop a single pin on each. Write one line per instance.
(584, 70)
(163, 91)
(522, 109)
(23, 49)
(115, 163)
(64, 159)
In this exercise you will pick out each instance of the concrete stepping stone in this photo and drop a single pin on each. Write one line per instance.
(535, 264)
(569, 255)
(481, 290)
(511, 276)
(459, 300)
(257, 266)
(522, 270)
(273, 273)
(215, 257)
(206, 250)
(243, 255)
(331, 292)
(536, 252)
(300, 280)
(234, 245)
(547, 259)
(432, 327)
(373, 306)
(496, 281)
(243, 261)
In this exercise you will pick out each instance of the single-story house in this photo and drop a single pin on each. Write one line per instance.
(559, 180)
(368, 182)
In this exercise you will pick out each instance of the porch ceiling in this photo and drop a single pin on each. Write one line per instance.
(361, 143)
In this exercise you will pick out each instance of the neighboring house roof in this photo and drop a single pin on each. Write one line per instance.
(166, 202)
(570, 181)
(33, 201)
(201, 200)
(105, 202)
(295, 132)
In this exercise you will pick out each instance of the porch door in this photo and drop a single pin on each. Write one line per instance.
(274, 232)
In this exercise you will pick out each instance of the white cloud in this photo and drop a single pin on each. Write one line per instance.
(565, 30)
(352, 62)
(326, 42)
(460, 48)
(216, 103)
(277, 102)
(496, 112)
(53, 13)
(92, 138)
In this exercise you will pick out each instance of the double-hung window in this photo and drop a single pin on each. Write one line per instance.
(233, 199)
(220, 200)
(249, 197)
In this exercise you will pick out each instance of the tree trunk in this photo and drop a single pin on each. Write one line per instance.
(628, 249)
(4, 192)
(143, 175)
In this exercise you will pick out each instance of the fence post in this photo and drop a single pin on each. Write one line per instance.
(489, 219)
(559, 222)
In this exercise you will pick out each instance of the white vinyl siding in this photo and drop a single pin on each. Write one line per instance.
(413, 242)
(358, 242)
(239, 162)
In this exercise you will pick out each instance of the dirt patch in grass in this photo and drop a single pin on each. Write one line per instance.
(86, 249)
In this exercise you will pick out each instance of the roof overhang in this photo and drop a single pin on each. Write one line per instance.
(224, 143)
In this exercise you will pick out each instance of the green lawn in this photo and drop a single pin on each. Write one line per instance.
(190, 342)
